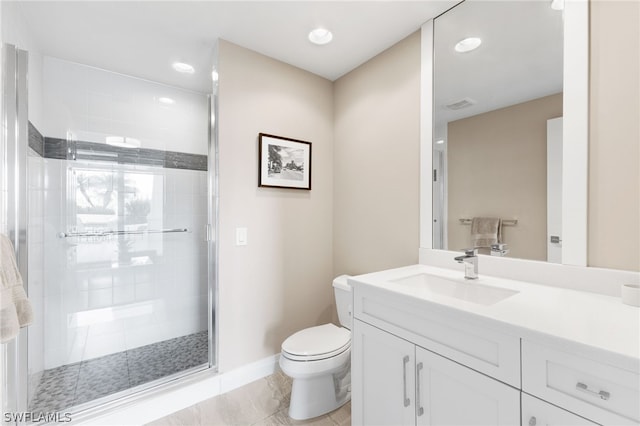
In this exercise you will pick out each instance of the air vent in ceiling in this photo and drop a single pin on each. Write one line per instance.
(462, 103)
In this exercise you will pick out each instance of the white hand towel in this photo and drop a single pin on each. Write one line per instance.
(486, 231)
(15, 308)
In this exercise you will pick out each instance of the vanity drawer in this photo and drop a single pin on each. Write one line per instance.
(461, 338)
(595, 390)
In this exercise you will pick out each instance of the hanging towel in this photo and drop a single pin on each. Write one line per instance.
(485, 231)
(15, 308)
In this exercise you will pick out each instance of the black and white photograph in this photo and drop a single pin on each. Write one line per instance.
(284, 162)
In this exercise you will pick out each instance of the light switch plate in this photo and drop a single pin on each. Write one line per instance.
(241, 236)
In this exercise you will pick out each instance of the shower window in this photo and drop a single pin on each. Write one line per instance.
(101, 196)
(107, 202)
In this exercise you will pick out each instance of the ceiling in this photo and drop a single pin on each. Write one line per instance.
(143, 38)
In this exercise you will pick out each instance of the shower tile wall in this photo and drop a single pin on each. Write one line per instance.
(110, 294)
(90, 104)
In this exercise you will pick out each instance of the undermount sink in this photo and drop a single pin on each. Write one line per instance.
(468, 291)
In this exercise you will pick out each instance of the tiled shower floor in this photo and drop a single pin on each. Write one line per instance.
(74, 384)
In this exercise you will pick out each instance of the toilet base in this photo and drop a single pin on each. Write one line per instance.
(315, 396)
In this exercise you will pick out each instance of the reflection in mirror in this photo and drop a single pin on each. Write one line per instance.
(498, 129)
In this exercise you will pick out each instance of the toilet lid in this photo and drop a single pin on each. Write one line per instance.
(318, 342)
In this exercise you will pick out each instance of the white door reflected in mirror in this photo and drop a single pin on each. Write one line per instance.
(554, 190)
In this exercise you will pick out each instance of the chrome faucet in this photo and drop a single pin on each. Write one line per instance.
(499, 249)
(470, 261)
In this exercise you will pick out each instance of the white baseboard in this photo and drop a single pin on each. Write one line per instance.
(249, 373)
(178, 397)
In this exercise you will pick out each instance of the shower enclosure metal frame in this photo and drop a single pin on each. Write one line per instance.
(212, 227)
(13, 159)
(15, 143)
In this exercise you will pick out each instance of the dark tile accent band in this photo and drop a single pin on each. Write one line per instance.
(36, 140)
(55, 148)
(61, 149)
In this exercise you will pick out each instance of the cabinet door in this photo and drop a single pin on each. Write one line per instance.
(382, 378)
(448, 393)
(536, 412)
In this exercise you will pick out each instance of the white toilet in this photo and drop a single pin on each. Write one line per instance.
(318, 359)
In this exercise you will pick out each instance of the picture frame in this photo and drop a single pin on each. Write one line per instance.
(283, 162)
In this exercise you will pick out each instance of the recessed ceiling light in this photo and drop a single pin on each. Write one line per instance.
(166, 101)
(557, 4)
(468, 44)
(182, 67)
(320, 36)
(123, 142)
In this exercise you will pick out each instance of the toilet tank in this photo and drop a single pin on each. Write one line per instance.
(344, 300)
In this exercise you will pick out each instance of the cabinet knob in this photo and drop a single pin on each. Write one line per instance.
(532, 421)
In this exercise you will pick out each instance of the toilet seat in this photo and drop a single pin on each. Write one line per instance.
(310, 369)
(316, 343)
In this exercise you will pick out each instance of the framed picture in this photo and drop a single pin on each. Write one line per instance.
(284, 162)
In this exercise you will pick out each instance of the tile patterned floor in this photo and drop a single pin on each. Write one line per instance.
(74, 384)
(264, 402)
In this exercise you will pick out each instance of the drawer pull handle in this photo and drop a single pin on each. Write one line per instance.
(405, 361)
(419, 407)
(584, 388)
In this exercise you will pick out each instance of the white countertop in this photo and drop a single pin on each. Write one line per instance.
(599, 321)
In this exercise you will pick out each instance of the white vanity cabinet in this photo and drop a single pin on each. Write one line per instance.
(420, 357)
(536, 412)
(382, 377)
(395, 382)
(448, 393)
(604, 390)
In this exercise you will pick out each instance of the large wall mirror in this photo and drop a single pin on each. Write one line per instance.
(498, 126)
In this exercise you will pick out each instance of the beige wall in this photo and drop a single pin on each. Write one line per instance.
(497, 167)
(281, 281)
(376, 162)
(614, 149)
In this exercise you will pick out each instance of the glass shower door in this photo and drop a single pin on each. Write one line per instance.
(129, 302)
(125, 250)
